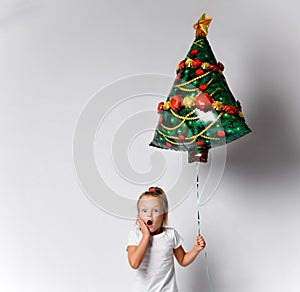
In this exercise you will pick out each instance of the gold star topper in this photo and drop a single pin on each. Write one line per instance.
(202, 25)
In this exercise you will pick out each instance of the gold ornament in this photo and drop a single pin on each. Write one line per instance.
(166, 106)
(202, 25)
(188, 101)
(218, 105)
(188, 62)
(205, 65)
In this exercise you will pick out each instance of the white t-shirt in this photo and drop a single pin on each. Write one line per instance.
(157, 272)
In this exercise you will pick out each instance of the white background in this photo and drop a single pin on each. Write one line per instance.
(54, 55)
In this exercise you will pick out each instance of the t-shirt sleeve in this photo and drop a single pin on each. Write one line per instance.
(132, 238)
(177, 239)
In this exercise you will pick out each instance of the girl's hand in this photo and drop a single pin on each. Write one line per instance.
(199, 243)
(143, 227)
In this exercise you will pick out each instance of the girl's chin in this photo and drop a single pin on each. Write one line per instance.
(151, 228)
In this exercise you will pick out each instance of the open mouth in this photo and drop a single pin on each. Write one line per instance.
(149, 223)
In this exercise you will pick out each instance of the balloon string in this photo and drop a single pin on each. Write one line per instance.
(198, 197)
(198, 220)
(207, 273)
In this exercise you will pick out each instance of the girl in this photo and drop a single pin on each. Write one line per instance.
(151, 248)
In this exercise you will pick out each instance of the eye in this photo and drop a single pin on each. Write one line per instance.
(155, 211)
(143, 211)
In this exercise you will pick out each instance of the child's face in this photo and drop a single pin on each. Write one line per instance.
(152, 213)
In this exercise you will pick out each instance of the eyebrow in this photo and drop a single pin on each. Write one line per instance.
(151, 207)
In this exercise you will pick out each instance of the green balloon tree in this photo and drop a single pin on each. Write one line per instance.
(200, 112)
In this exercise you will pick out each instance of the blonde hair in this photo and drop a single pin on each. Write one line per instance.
(157, 192)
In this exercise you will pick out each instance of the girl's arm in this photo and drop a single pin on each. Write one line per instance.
(136, 253)
(186, 258)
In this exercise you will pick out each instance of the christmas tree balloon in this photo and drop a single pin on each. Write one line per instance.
(200, 112)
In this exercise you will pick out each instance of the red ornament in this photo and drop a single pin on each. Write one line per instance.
(201, 143)
(214, 68)
(203, 101)
(181, 65)
(194, 52)
(203, 87)
(178, 76)
(221, 66)
(181, 137)
(196, 63)
(175, 102)
(160, 107)
(230, 109)
(199, 72)
(161, 119)
(168, 144)
(221, 133)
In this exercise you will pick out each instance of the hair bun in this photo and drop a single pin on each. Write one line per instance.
(156, 190)
(152, 190)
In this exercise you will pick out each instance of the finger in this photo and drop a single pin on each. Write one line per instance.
(143, 224)
(199, 238)
(201, 242)
(141, 220)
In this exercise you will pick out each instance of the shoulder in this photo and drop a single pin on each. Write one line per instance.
(170, 230)
(174, 236)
